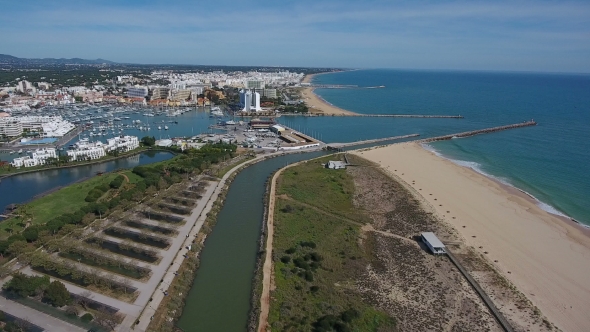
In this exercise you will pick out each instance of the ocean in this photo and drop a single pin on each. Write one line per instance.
(549, 161)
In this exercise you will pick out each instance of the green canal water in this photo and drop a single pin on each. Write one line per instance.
(219, 299)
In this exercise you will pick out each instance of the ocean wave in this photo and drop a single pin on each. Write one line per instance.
(477, 167)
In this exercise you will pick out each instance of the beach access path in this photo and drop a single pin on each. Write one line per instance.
(545, 256)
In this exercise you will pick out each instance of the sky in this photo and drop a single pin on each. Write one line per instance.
(541, 36)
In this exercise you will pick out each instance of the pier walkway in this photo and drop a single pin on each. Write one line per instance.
(421, 116)
(486, 299)
(480, 131)
(339, 146)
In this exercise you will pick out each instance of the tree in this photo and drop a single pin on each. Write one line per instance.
(148, 141)
(24, 285)
(18, 247)
(57, 294)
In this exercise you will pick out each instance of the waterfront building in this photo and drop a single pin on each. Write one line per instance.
(85, 150)
(10, 127)
(137, 92)
(122, 143)
(159, 93)
(39, 157)
(182, 94)
(250, 101)
(25, 161)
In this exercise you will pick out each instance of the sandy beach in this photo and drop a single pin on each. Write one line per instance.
(545, 256)
(317, 104)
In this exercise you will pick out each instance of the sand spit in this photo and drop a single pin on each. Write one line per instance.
(501, 235)
(317, 104)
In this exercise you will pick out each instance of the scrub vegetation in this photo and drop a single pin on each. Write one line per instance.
(317, 255)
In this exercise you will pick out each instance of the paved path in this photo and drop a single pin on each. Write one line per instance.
(49, 323)
(124, 307)
(165, 270)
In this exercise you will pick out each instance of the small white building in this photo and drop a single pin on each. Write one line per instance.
(336, 164)
(41, 155)
(433, 243)
(20, 161)
(122, 143)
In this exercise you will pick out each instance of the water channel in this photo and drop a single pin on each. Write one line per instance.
(220, 297)
(25, 187)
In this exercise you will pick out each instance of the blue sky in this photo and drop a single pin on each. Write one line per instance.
(546, 36)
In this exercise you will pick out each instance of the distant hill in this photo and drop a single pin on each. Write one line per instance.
(9, 59)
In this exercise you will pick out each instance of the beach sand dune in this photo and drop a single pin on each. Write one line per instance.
(545, 256)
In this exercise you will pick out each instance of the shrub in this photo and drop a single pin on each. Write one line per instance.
(348, 315)
(117, 182)
(290, 251)
(308, 276)
(285, 259)
(301, 263)
(309, 244)
(87, 317)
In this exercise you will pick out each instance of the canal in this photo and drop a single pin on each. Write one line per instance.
(25, 187)
(219, 299)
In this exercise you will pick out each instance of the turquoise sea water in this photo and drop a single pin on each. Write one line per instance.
(551, 161)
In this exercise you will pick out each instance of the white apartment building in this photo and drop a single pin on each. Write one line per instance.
(122, 143)
(10, 127)
(23, 86)
(137, 92)
(84, 150)
(39, 157)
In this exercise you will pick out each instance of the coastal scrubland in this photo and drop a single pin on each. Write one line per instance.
(317, 255)
(346, 244)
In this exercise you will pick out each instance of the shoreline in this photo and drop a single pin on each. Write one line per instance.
(509, 187)
(546, 256)
(316, 103)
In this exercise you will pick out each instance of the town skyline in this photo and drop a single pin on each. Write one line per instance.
(524, 36)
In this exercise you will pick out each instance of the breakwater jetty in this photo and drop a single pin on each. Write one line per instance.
(423, 116)
(339, 146)
(480, 131)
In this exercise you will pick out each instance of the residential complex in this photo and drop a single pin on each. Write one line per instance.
(45, 126)
(38, 157)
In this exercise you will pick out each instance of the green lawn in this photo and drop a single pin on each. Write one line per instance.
(317, 256)
(65, 200)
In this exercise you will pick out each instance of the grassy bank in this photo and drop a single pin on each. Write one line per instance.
(317, 254)
(65, 200)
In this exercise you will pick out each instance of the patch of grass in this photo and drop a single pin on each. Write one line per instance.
(133, 178)
(317, 255)
(65, 200)
(327, 189)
